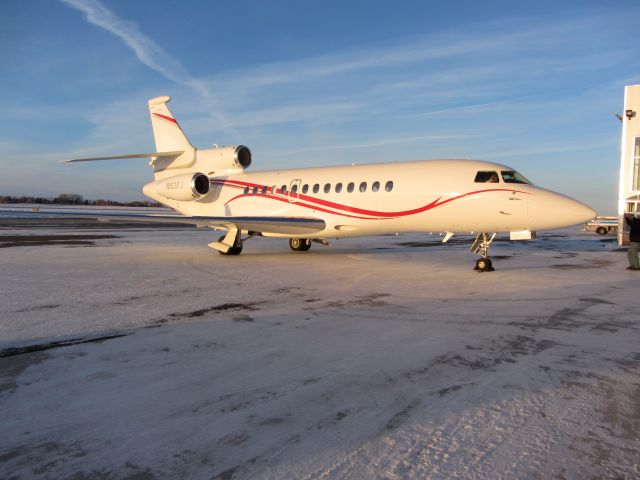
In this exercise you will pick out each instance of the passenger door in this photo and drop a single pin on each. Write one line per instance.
(294, 190)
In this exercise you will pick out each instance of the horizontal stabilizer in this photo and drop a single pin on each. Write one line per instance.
(129, 155)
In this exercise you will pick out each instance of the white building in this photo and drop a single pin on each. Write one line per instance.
(629, 189)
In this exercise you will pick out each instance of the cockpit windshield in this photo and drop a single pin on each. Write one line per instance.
(486, 177)
(509, 176)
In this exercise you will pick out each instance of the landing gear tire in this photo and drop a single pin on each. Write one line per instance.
(299, 244)
(483, 265)
(602, 231)
(235, 250)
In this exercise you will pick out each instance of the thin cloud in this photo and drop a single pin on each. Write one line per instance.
(420, 78)
(146, 50)
(372, 143)
(551, 149)
(507, 38)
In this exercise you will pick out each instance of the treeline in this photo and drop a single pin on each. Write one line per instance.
(74, 199)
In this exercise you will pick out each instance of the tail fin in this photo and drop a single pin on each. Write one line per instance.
(167, 133)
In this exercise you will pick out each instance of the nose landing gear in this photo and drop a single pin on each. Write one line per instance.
(481, 247)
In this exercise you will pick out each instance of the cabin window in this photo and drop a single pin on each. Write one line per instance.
(294, 189)
(487, 177)
(264, 190)
(246, 190)
(363, 186)
(255, 190)
(338, 187)
(316, 188)
(350, 187)
(375, 186)
(327, 187)
(305, 188)
(388, 186)
(283, 189)
(513, 177)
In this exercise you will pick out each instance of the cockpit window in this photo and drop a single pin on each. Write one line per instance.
(487, 177)
(513, 177)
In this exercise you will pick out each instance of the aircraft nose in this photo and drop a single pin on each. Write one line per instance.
(553, 210)
(584, 213)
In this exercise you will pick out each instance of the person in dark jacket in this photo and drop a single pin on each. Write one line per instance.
(634, 241)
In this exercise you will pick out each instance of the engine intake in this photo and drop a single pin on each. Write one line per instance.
(200, 184)
(183, 188)
(221, 159)
(242, 156)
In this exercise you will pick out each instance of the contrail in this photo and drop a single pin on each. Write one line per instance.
(146, 50)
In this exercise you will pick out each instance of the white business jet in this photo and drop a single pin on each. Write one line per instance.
(212, 187)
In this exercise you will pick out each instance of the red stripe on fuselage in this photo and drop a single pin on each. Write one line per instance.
(302, 204)
(373, 213)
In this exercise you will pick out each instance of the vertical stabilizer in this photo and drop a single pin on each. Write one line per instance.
(167, 133)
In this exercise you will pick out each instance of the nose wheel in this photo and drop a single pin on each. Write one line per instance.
(484, 265)
(481, 247)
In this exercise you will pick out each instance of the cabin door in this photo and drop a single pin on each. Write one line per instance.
(294, 190)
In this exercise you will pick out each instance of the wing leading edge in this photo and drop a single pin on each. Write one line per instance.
(281, 225)
(126, 156)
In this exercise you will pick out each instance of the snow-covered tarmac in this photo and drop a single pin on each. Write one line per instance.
(383, 357)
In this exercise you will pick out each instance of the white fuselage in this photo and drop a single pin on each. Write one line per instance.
(417, 196)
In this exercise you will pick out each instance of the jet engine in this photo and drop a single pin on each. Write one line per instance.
(220, 159)
(183, 188)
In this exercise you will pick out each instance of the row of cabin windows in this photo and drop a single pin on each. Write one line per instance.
(375, 187)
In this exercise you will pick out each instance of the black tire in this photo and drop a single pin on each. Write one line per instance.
(484, 265)
(236, 249)
(601, 231)
(299, 244)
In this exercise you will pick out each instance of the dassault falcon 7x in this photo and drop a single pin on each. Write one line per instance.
(211, 187)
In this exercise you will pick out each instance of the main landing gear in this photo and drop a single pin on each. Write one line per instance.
(299, 244)
(223, 248)
(481, 247)
(236, 249)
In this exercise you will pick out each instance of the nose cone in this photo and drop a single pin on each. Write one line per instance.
(585, 212)
(549, 210)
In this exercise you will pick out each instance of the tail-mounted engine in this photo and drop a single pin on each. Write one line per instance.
(219, 159)
(183, 188)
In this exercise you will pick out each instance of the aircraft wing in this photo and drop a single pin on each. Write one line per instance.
(126, 156)
(282, 225)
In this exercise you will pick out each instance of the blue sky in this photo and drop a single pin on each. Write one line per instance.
(535, 85)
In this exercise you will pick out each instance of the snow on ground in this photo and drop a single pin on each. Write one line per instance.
(383, 357)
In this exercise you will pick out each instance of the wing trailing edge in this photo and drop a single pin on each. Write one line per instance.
(277, 225)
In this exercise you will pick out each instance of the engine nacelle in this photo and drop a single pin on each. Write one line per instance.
(223, 158)
(183, 188)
